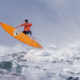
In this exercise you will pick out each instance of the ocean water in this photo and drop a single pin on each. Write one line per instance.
(50, 63)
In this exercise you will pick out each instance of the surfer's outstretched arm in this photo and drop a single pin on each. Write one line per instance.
(20, 25)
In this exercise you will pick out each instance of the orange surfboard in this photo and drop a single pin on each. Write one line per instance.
(20, 35)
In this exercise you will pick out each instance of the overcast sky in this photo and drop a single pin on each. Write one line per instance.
(54, 21)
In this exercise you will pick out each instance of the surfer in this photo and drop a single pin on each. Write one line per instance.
(27, 27)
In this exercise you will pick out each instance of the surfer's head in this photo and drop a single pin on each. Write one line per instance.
(26, 20)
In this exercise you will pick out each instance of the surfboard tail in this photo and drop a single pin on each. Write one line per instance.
(40, 46)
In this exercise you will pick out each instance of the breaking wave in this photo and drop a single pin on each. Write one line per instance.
(36, 64)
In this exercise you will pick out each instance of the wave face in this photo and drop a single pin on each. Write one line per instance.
(47, 64)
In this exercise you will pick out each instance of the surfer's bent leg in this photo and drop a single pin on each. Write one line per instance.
(30, 33)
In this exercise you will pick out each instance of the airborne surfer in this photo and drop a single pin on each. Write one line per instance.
(27, 27)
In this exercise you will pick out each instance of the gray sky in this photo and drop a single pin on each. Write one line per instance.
(54, 21)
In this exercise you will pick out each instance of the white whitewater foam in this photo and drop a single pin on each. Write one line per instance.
(49, 63)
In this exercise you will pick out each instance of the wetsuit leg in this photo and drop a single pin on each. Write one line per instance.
(27, 32)
(24, 32)
(30, 33)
